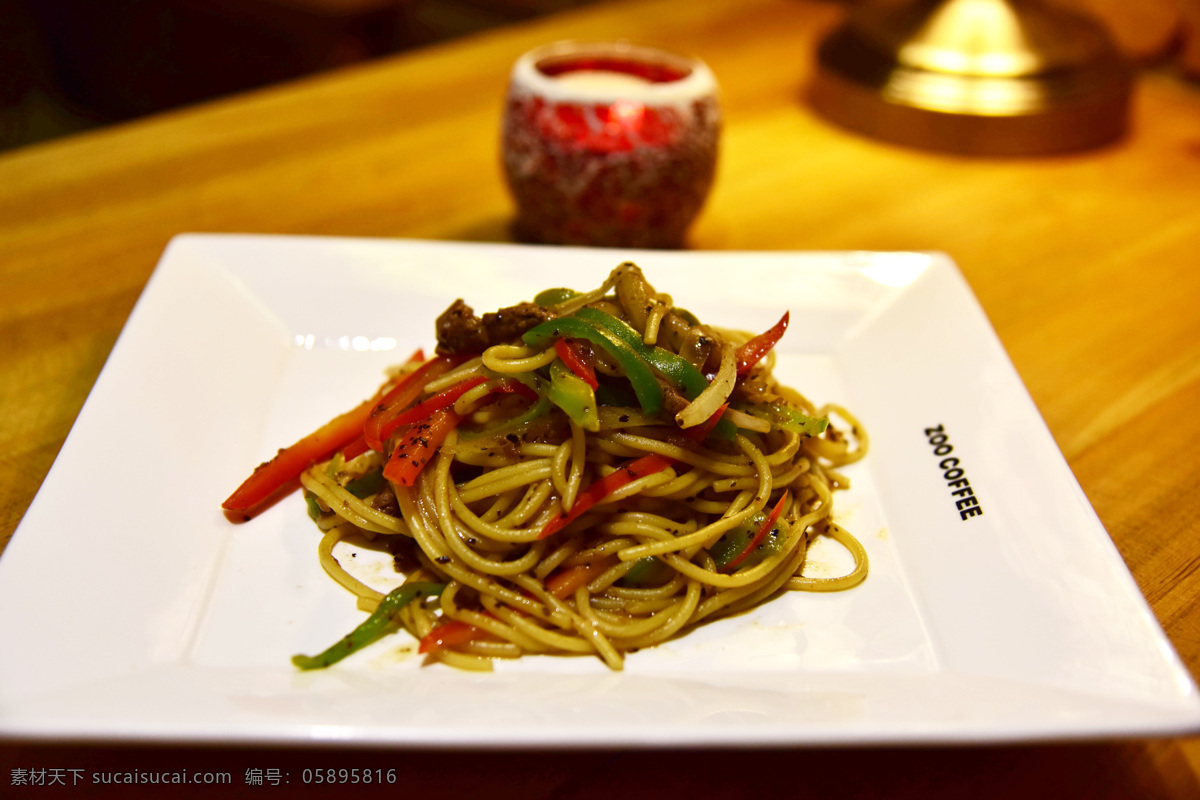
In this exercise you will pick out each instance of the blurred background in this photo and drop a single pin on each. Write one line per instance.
(70, 65)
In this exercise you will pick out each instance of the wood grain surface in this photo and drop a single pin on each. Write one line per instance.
(1088, 266)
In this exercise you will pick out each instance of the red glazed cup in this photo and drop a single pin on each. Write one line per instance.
(609, 144)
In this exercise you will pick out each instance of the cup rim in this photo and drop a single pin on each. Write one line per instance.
(527, 77)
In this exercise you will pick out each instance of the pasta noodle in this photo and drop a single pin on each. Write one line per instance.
(589, 473)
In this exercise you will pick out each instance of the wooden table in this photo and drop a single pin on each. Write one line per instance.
(1086, 264)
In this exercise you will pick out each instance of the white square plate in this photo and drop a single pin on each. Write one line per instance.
(132, 610)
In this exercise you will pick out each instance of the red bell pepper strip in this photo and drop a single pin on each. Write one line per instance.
(514, 387)
(355, 449)
(450, 634)
(753, 351)
(402, 395)
(342, 433)
(271, 476)
(562, 584)
(448, 398)
(575, 358)
(700, 432)
(759, 535)
(423, 409)
(598, 491)
(418, 445)
(608, 338)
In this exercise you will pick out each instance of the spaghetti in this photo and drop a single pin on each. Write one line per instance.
(590, 473)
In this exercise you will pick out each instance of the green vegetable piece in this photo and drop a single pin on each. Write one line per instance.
(518, 423)
(372, 628)
(648, 571)
(686, 316)
(637, 370)
(729, 546)
(554, 297)
(674, 368)
(335, 464)
(514, 425)
(725, 429)
(367, 484)
(314, 508)
(570, 393)
(787, 418)
(610, 394)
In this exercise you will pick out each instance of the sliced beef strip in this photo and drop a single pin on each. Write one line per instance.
(459, 330)
(509, 323)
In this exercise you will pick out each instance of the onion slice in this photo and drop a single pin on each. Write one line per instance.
(718, 391)
(746, 421)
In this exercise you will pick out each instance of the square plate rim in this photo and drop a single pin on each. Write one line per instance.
(1186, 720)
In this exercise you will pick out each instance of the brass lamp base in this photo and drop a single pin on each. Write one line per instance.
(978, 77)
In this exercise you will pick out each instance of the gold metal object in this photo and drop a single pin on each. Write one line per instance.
(982, 77)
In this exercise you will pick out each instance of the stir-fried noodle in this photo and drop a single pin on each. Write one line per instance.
(589, 473)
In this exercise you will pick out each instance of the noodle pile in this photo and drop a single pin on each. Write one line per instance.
(555, 520)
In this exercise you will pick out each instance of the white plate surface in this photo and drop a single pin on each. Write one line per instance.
(132, 610)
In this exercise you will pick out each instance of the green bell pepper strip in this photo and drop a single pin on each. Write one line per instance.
(611, 394)
(554, 297)
(673, 367)
(310, 502)
(372, 627)
(573, 396)
(638, 360)
(367, 485)
(637, 370)
(648, 571)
